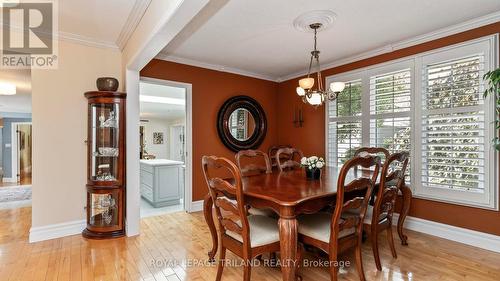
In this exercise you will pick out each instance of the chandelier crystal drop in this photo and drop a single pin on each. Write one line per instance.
(305, 90)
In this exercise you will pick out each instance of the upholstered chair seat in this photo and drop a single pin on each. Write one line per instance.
(263, 230)
(317, 226)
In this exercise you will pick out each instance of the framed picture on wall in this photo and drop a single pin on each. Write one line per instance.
(158, 138)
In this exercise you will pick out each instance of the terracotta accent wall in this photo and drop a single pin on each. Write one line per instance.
(311, 137)
(210, 89)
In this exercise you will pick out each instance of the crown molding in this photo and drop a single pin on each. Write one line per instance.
(87, 41)
(132, 22)
(69, 37)
(135, 16)
(217, 67)
(440, 33)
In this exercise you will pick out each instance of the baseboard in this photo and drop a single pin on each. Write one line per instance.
(196, 206)
(9, 180)
(462, 235)
(41, 233)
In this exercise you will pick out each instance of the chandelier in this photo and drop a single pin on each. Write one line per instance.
(317, 96)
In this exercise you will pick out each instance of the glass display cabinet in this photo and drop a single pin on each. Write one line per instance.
(105, 164)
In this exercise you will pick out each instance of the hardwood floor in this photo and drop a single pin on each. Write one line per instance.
(170, 245)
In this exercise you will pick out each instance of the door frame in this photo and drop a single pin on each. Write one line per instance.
(188, 133)
(14, 145)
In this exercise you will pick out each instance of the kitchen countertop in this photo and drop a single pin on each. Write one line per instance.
(161, 162)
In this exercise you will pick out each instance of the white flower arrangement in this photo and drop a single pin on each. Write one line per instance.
(312, 162)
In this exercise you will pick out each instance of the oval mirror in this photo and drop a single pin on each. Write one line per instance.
(241, 123)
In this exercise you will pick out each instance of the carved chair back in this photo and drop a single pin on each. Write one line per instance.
(272, 154)
(291, 162)
(260, 162)
(232, 215)
(391, 180)
(378, 151)
(360, 183)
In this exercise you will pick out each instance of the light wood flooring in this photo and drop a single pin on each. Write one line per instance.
(177, 241)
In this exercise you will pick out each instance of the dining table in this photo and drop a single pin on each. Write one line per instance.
(290, 194)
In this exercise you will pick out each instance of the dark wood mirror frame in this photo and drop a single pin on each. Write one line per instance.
(257, 112)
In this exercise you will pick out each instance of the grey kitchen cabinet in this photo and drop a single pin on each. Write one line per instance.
(162, 182)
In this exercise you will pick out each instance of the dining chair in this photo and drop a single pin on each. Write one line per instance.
(336, 233)
(378, 151)
(288, 163)
(247, 236)
(253, 168)
(379, 216)
(272, 154)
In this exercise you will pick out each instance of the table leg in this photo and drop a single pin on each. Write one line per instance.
(288, 247)
(407, 194)
(207, 212)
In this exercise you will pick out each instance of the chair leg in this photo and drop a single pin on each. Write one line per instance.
(376, 256)
(390, 239)
(334, 271)
(359, 262)
(334, 268)
(247, 271)
(220, 266)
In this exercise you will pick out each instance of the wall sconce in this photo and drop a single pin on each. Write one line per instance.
(298, 118)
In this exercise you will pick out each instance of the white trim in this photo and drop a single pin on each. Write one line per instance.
(86, 41)
(188, 130)
(132, 22)
(217, 67)
(195, 206)
(458, 234)
(437, 34)
(57, 230)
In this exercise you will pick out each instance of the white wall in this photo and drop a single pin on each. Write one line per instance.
(60, 129)
(161, 151)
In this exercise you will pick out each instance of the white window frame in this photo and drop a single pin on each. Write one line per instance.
(349, 76)
(416, 64)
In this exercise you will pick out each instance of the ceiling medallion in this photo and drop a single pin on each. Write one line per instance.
(323, 17)
(316, 97)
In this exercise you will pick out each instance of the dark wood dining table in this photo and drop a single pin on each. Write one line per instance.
(289, 194)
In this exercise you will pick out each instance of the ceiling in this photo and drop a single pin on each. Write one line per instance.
(21, 101)
(97, 21)
(167, 111)
(258, 37)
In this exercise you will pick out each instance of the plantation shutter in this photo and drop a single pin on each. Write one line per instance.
(390, 107)
(453, 125)
(344, 126)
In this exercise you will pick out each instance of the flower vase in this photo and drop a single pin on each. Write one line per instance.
(313, 174)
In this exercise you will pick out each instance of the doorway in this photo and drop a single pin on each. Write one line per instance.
(163, 163)
(22, 152)
(15, 139)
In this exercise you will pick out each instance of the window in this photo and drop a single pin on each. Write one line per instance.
(344, 124)
(390, 112)
(432, 106)
(456, 156)
(390, 106)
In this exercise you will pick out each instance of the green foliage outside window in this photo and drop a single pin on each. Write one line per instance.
(493, 88)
